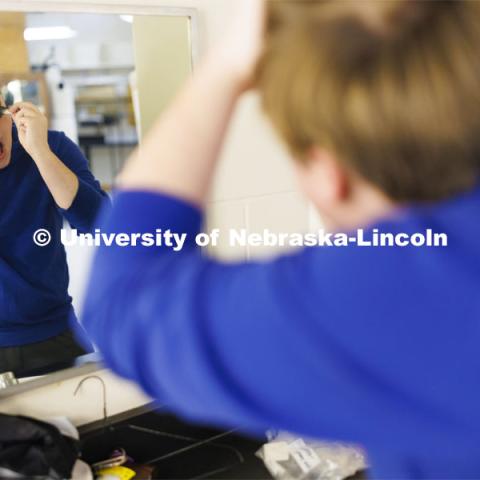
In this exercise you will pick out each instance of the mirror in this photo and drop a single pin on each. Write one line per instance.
(100, 81)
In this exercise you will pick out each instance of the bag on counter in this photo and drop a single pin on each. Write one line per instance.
(31, 448)
(293, 458)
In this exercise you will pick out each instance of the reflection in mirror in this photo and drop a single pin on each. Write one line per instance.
(77, 88)
(28, 87)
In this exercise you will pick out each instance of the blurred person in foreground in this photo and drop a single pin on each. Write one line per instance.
(379, 102)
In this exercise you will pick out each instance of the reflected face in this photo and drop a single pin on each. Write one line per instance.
(5, 138)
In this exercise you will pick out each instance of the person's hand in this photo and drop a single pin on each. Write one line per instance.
(32, 128)
(241, 47)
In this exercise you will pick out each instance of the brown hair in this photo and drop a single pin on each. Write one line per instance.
(392, 87)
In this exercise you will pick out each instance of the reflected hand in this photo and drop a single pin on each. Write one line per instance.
(32, 126)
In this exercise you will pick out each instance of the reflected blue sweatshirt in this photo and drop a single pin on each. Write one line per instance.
(376, 346)
(34, 300)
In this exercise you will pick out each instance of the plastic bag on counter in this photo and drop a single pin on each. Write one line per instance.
(293, 458)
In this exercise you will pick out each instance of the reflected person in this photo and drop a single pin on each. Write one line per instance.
(44, 180)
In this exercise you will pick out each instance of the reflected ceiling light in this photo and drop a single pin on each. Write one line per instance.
(48, 33)
(127, 18)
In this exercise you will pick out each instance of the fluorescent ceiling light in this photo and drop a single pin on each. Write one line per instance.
(48, 33)
(127, 18)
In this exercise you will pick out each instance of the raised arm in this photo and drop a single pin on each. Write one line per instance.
(87, 203)
(180, 153)
(254, 345)
(32, 128)
(62, 166)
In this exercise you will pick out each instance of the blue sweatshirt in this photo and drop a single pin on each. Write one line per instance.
(378, 346)
(34, 300)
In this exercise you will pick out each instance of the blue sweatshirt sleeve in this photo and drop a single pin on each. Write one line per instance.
(277, 344)
(90, 196)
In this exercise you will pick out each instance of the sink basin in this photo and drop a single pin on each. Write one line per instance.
(174, 448)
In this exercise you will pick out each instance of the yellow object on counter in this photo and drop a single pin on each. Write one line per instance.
(115, 473)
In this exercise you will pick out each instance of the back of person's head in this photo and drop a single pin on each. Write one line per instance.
(391, 87)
